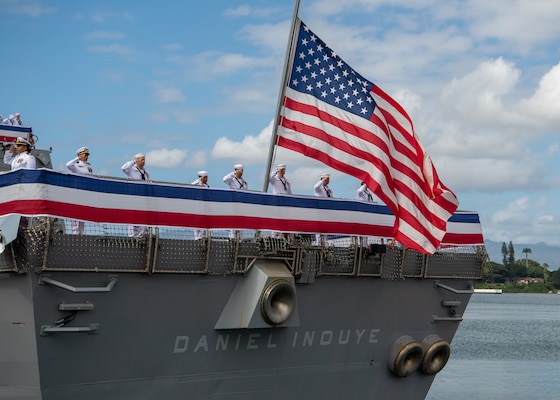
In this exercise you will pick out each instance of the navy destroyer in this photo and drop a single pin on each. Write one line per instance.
(104, 315)
(314, 298)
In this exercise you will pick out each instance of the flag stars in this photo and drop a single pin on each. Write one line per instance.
(328, 78)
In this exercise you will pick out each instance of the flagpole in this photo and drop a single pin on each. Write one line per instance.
(285, 75)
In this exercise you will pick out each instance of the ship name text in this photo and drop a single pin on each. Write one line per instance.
(270, 340)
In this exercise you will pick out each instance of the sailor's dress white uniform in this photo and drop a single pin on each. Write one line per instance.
(199, 233)
(20, 161)
(78, 166)
(133, 172)
(279, 185)
(235, 183)
(322, 190)
(363, 194)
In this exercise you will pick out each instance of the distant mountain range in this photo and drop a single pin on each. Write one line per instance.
(540, 252)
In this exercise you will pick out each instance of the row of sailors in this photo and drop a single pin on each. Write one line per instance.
(18, 157)
(13, 119)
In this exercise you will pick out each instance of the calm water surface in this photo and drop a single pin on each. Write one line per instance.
(507, 347)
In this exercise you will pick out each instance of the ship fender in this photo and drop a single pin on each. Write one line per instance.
(436, 354)
(405, 356)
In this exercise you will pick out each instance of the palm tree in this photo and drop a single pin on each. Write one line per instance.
(526, 250)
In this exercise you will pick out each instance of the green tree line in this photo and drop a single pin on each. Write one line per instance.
(507, 275)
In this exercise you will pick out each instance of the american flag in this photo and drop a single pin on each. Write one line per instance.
(333, 114)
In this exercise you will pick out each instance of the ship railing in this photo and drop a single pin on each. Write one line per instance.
(47, 244)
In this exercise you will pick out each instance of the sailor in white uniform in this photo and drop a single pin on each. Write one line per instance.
(18, 156)
(235, 178)
(279, 182)
(280, 185)
(79, 165)
(321, 189)
(235, 181)
(134, 169)
(202, 180)
(364, 194)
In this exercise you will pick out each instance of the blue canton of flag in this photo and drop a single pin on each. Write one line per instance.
(317, 70)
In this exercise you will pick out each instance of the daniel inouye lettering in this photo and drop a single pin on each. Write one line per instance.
(255, 341)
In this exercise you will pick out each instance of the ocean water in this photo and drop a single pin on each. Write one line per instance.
(507, 347)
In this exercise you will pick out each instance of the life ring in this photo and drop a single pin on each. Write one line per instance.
(436, 354)
(278, 301)
(405, 356)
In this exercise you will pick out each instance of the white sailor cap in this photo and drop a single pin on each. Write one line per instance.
(325, 175)
(21, 140)
(202, 173)
(281, 166)
(238, 166)
(82, 150)
(140, 155)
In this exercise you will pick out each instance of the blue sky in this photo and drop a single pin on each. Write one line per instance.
(195, 87)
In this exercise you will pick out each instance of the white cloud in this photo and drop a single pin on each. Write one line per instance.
(166, 158)
(104, 35)
(545, 103)
(251, 150)
(242, 10)
(31, 9)
(478, 95)
(112, 48)
(168, 95)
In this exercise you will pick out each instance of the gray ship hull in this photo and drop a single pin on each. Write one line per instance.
(100, 314)
(155, 337)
